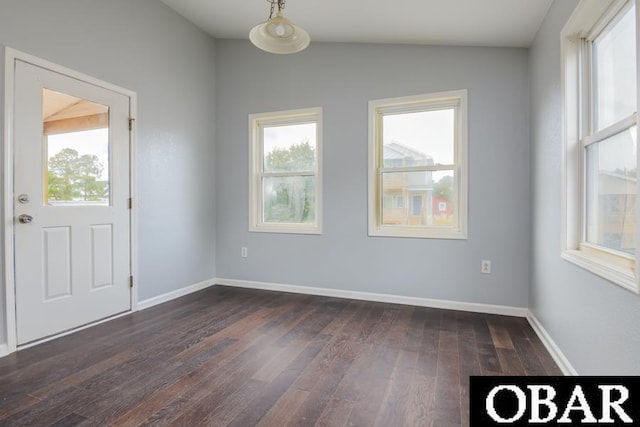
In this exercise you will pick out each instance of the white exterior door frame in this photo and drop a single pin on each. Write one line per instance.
(11, 55)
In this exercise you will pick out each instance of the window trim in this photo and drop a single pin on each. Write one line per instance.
(256, 123)
(417, 103)
(587, 21)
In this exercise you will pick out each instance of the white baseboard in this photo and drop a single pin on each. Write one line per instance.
(175, 294)
(368, 296)
(553, 349)
(555, 352)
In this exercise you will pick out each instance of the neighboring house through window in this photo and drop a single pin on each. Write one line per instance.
(285, 171)
(600, 169)
(418, 154)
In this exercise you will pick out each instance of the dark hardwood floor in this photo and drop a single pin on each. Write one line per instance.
(239, 357)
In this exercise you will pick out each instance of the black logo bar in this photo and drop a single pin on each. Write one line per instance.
(556, 401)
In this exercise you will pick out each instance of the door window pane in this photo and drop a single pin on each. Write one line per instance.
(76, 138)
(611, 192)
(615, 70)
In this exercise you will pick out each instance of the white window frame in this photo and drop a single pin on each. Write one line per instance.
(257, 122)
(588, 19)
(434, 101)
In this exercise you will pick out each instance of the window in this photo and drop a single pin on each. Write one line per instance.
(392, 201)
(285, 182)
(418, 154)
(600, 168)
(76, 150)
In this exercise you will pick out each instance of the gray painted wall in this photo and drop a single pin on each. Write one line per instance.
(342, 78)
(143, 46)
(594, 322)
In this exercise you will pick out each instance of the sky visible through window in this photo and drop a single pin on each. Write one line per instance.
(94, 142)
(430, 132)
(284, 136)
(615, 86)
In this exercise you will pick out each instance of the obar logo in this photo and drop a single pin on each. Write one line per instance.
(528, 401)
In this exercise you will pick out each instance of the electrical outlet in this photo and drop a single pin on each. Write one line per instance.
(485, 267)
(244, 252)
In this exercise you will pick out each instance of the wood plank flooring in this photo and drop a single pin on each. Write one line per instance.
(240, 357)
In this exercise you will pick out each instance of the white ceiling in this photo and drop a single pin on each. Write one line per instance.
(436, 22)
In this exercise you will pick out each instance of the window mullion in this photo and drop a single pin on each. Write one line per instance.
(288, 174)
(610, 131)
(586, 118)
(433, 168)
(587, 97)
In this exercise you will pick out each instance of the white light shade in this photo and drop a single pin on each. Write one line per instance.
(279, 35)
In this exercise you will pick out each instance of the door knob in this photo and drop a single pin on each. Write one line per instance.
(25, 219)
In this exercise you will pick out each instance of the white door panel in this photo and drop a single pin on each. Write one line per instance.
(71, 159)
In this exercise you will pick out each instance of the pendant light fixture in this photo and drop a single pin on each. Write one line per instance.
(277, 34)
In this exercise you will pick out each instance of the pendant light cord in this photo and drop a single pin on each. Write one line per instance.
(280, 4)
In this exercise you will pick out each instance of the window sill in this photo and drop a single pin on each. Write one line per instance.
(415, 233)
(285, 229)
(616, 274)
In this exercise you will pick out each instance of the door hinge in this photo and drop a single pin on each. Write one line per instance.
(131, 281)
(130, 203)
(131, 120)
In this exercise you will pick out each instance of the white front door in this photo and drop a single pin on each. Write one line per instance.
(71, 202)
